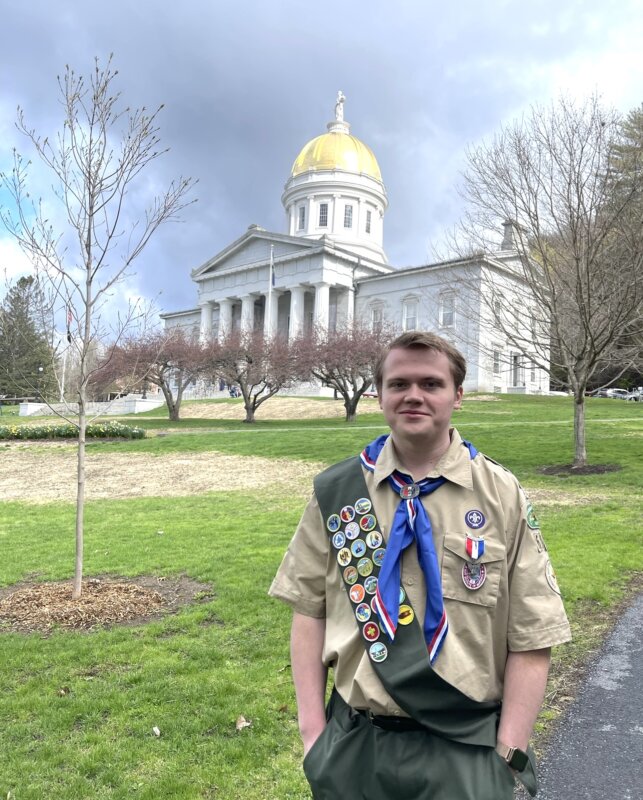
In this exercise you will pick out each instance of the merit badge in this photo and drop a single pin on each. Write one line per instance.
(378, 557)
(363, 612)
(406, 615)
(333, 523)
(474, 545)
(363, 505)
(347, 514)
(473, 575)
(371, 632)
(356, 593)
(350, 575)
(358, 548)
(402, 595)
(352, 530)
(370, 584)
(410, 491)
(368, 522)
(374, 539)
(339, 540)
(378, 652)
(344, 556)
(365, 567)
(551, 577)
(474, 518)
(531, 517)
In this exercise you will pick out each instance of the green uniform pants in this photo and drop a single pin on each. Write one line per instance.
(355, 760)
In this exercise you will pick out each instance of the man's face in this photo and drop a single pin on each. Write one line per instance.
(418, 394)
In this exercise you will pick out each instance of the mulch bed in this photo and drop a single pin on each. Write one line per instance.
(106, 601)
(565, 470)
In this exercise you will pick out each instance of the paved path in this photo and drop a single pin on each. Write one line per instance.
(597, 751)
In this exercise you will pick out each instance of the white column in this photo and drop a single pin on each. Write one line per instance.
(225, 317)
(322, 304)
(297, 294)
(247, 313)
(205, 328)
(271, 317)
(350, 305)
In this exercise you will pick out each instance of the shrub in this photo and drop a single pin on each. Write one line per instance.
(65, 430)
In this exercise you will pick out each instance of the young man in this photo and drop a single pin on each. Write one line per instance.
(419, 574)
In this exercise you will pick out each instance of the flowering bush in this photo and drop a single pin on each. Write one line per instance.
(65, 430)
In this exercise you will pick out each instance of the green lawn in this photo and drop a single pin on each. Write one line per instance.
(192, 674)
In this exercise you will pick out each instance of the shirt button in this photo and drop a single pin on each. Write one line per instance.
(408, 581)
(396, 713)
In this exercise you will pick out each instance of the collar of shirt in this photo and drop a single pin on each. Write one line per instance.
(455, 464)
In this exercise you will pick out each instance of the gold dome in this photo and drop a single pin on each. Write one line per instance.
(337, 150)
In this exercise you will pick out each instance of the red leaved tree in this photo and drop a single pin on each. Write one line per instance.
(343, 359)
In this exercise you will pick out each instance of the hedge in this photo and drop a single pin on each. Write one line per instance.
(65, 430)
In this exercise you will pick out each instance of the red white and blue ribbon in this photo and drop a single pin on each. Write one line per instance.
(475, 547)
(410, 523)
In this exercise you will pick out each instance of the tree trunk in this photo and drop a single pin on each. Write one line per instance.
(350, 404)
(250, 412)
(80, 498)
(580, 451)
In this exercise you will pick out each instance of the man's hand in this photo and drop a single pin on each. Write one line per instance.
(309, 675)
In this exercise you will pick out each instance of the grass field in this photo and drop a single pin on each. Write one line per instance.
(77, 710)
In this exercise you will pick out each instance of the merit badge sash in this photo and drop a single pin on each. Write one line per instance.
(401, 662)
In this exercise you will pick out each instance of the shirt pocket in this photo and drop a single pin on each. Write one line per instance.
(461, 575)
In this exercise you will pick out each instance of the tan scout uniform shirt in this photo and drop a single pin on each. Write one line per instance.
(518, 607)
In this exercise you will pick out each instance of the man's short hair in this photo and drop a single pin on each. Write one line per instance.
(428, 341)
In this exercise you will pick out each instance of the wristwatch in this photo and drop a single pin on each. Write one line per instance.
(515, 758)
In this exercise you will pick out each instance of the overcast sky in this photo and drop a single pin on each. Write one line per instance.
(247, 84)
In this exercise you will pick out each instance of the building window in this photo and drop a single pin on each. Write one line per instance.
(447, 310)
(532, 371)
(496, 362)
(517, 372)
(410, 315)
(323, 215)
(377, 317)
(348, 216)
(368, 221)
(301, 220)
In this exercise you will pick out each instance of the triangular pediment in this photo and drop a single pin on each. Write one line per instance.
(253, 248)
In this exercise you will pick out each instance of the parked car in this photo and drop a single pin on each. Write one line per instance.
(617, 394)
(636, 395)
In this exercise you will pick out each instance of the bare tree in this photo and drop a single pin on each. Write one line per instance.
(258, 365)
(95, 161)
(575, 224)
(343, 359)
(171, 360)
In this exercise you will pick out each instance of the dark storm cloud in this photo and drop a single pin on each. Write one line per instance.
(246, 84)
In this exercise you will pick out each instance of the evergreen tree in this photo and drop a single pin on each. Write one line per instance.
(26, 359)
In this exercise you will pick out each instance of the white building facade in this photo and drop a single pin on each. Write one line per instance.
(331, 267)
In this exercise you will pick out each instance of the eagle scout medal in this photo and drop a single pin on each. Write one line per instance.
(350, 575)
(406, 615)
(474, 545)
(333, 523)
(474, 519)
(473, 575)
(371, 632)
(339, 540)
(368, 522)
(363, 612)
(358, 548)
(347, 514)
(378, 557)
(378, 652)
(364, 567)
(374, 539)
(410, 491)
(363, 505)
(356, 593)
(352, 530)
(370, 584)
(344, 557)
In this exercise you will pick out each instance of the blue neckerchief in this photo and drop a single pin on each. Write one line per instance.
(410, 522)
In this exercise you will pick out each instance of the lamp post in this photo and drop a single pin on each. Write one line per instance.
(39, 386)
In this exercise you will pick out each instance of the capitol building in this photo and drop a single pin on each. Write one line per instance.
(330, 267)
